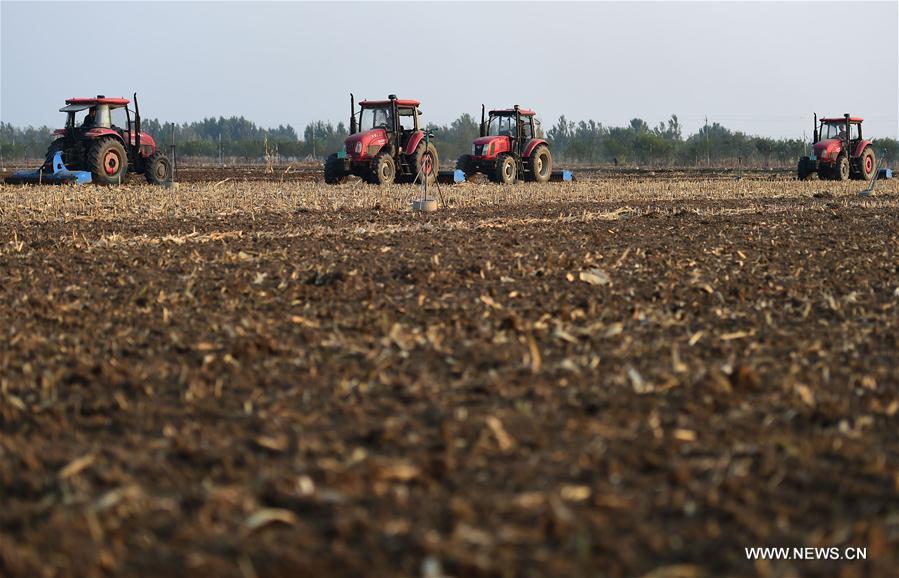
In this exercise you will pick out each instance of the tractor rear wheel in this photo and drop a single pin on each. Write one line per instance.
(107, 161)
(383, 169)
(424, 161)
(334, 174)
(840, 170)
(506, 169)
(541, 164)
(867, 164)
(158, 169)
(465, 165)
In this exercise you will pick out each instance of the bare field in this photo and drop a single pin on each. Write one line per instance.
(617, 377)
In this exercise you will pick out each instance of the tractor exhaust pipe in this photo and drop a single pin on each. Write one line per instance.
(396, 118)
(483, 127)
(815, 129)
(352, 115)
(846, 116)
(136, 126)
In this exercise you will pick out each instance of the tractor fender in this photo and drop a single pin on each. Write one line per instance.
(96, 133)
(860, 148)
(413, 141)
(147, 144)
(532, 144)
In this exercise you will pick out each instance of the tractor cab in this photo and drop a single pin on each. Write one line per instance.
(98, 121)
(835, 133)
(386, 144)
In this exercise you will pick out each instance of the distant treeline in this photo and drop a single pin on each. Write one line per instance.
(637, 144)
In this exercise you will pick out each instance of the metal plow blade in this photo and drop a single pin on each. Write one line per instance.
(56, 174)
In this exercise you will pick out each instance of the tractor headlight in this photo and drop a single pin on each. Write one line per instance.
(358, 148)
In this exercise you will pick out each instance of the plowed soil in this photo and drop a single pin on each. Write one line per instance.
(301, 381)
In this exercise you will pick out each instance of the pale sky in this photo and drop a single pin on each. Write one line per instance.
(759, 67)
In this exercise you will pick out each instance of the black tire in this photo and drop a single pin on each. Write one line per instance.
(107, 161)
(867, 164)
(540, 164)
(334, 173)
(506, 169)
(425, 155)
(840, 170)
(383, 169)
(465, 164)
(802, 171)
(158, 169)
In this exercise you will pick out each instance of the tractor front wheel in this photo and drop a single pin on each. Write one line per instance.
(802, 171)
(424, 162)
(541, 164)
(840, 170)
(334, 174)
(867, 164)
(383, 169)
(506, 169)
(465, 164)
(108, 161)
(158, 169)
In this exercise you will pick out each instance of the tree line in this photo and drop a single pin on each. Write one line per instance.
(586, 141)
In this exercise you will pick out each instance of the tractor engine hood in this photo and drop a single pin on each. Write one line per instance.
(827, 149)
(488, 139)
(490, 146)
(365, 144)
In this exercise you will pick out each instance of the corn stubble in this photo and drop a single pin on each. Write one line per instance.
(616, 378)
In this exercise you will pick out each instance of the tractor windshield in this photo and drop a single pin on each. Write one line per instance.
(838, 130)
(96, 117)
(376, 118)
(835, 130)
(501, 126)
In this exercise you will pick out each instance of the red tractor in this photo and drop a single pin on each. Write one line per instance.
(94, 144)
(510, 147)
(839, 151)
(386, 145)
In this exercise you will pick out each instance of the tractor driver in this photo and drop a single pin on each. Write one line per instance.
(91, 118)
(382, 118)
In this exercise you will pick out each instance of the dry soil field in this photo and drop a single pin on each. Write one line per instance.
(622, 377)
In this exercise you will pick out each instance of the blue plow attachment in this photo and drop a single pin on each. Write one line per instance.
(457, 176)
(57, 174)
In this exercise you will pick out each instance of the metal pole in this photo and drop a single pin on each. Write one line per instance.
(174, 155)
(708, 161)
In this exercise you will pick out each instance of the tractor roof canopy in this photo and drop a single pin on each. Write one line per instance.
(89, 102)
(399, 102)
(511, 111)
(852, 120)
